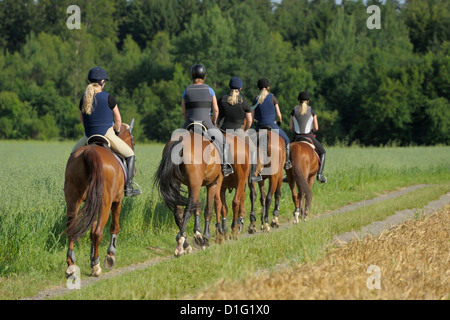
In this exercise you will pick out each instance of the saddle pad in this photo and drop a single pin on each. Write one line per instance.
(122, 164)
(314, 148)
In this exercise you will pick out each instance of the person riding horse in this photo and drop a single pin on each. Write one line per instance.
(100, 115)
(303, 123)
(196, 104)
(266, 109)
(235, 113)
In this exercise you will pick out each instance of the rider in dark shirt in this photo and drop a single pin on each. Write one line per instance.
(235, 113)
(266, 110)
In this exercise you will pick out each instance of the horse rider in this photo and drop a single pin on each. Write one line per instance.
(303, 123)
(266, 109)
(100, 115)
(196, 104)
(233, 111)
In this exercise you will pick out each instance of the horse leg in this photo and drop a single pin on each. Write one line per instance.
(265, 199)
(307, 200)
(236, 207)
(96, 238)
(72, 210)
(238, 220)
(295, 200)
(252, 227)
(221, 217)
(199, 241)
(276, 211)
(110, 259)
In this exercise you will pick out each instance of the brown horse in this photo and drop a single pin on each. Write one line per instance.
(305, 164)
(275, 157)
(94, 176)
(240, 153)
(185, 162)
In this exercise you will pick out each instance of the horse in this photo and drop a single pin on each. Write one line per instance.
(273, 171)
(184, 162)
(305, 164)
(94, 176)
(240, 153)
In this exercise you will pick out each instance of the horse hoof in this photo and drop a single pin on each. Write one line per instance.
(70, 271)
(199, 242)
(265, 227)
(188, 249)
(179, 250)
(252, 229)
(110, 262)
(296, 217)
(96, 271)
(275, 223)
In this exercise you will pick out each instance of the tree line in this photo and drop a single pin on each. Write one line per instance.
(373, 86)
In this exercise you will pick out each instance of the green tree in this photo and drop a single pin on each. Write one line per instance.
(209, 40)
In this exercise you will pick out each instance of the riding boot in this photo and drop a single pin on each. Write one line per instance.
(253, 174)
(129, 191)
(288, 164)
(320, 176)
(227, 169)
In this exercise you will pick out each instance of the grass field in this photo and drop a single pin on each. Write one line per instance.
(32, 219)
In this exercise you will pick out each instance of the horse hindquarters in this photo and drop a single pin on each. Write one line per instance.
(84, 175)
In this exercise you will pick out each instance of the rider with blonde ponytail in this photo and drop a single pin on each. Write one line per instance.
(303, 123)
(235, 113)
(100, 115)
(266, 108)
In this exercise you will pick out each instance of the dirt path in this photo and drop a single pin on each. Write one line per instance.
(445, 200)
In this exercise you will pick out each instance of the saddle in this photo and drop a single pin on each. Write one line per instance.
(102, 141)
(199, 127)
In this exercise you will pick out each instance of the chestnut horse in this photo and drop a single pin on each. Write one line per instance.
(94, 176)
(185, 162)
(275, 157)
(240, 153)
(305, 164)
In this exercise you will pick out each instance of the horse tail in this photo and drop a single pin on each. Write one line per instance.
(94, 197)
(301, 181)
(168, 179)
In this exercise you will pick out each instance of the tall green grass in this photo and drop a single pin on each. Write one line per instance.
(32, 207)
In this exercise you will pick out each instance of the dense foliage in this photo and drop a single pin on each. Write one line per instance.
(375, 86)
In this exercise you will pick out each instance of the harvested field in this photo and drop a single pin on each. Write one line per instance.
(412, 262)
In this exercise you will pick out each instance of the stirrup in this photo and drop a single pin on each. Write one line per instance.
(288, 165)
(321, 178)
(227, 170)
(257, 178)
(132, 192)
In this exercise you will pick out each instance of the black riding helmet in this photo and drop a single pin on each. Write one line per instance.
(263, 83)
(198, 71)
(304, 96)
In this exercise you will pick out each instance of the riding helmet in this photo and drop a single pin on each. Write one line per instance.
(97, 74)
(198, 71)
(236, 83)
(263, 83)
(303, 96)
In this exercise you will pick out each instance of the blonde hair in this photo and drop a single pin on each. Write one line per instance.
(263, 95)
(198, 80)
(89, 95)
(234, 97)
(304, 107)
